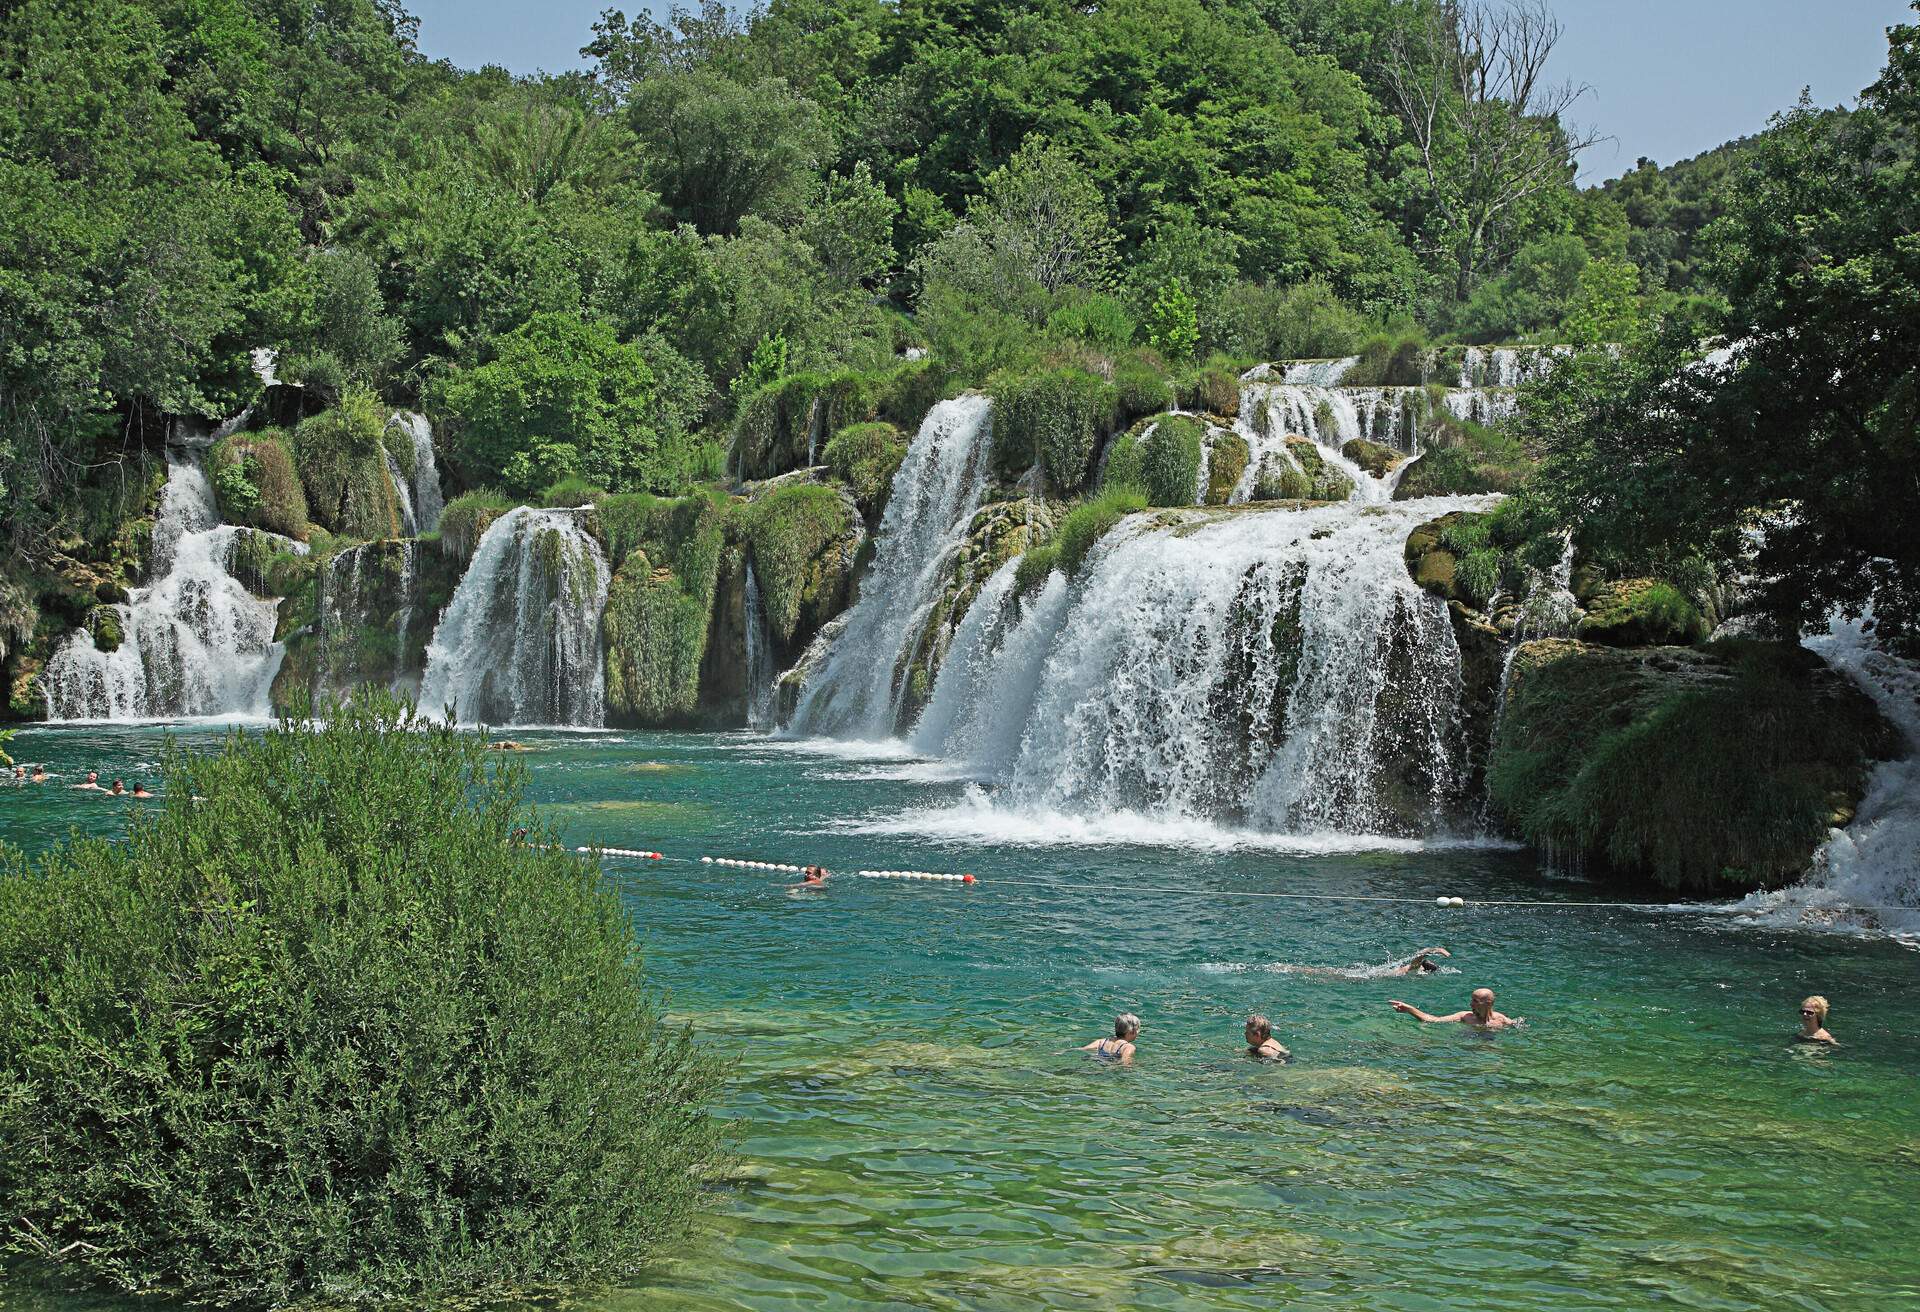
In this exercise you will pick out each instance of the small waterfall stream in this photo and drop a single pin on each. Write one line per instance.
(193, 640)
(935, 493)
(426, 498)
(520, 641)
(761, 670)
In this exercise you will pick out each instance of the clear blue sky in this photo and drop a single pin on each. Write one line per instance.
(1670, 78)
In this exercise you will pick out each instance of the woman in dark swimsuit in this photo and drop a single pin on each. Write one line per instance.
(1119, 1048)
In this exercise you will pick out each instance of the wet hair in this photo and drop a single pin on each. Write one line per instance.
(1478, 992)
(118, 784)
(1818, 1006)
(1126, 1025)
(1262, 1026)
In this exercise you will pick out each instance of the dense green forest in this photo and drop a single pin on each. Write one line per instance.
(595, 279)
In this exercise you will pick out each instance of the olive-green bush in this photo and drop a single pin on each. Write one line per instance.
(1054, 419)
(323, 1029)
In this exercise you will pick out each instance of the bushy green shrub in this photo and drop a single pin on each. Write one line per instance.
(561, 396)
(1096, 319)
(1212, 388)
(1036, 563)
(1307, 321)
(571, 491)
(1389, 360)
(322, 1029)
(1161, 457)
(791, 534)
(341, 456)
(1083, 526)
(911, 390)
(1140, 387)
(865, 457)
(1464, 457)
(1053, 418)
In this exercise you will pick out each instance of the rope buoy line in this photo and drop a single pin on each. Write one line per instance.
(1164, 890)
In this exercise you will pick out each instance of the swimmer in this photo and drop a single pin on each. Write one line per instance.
(118, 790)
(1813, 1023)
(1261, 1043)
(140, 790)
(92, 785)
(812, 877)
(1420, 963)
(39, 774)
(19, 774)
(1481, 1014)
(1126, 1029)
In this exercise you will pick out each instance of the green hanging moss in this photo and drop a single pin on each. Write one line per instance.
(466, 520)
(1054, 419)
(660, 602)
(343, 469)
(800, 541)
(865, 457)
(1226, 465)
(1717, 769)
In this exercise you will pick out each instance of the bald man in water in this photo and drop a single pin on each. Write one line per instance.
(1480, 1014)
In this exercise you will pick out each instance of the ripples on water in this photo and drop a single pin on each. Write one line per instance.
(915, 1132)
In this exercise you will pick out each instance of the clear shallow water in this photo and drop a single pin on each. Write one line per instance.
(915, 1133)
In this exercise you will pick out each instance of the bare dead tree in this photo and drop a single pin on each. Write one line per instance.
(1469, 78)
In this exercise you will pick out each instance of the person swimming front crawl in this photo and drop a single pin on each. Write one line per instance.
(1480, 1013)
(1261, 1043)
(1126, 1029)
(1420, 964)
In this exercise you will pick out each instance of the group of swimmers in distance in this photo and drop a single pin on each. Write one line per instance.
(1479, 1015)
(39, 775)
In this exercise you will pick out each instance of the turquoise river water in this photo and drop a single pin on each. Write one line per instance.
(915, 1131)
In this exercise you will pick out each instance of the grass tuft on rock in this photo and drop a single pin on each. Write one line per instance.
(320, 1029)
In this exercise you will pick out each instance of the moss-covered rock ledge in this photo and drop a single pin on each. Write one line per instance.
(1715, 769)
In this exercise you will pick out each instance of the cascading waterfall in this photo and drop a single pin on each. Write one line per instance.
(938, 487)
(427, 499)
(193, 641)
(761, 671)
(520, 641)
(1318, 373)
(1505, 366)
(1326, 416)
(1273, 669)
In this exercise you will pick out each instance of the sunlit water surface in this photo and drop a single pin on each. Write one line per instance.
(915, 1131)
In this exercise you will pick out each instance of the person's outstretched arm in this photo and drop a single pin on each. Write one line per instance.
(1411, 1010)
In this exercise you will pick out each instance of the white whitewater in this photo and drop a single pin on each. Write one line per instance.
(1506, 366)
(520, 641)
(761, 670)
(857, 692)
(1277, 670)
(1318, 373)
(194, 640)
(402, 494)
(425, 497)
(1329, 417)
(1875, 861)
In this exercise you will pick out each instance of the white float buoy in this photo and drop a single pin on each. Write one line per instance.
(1443, 901)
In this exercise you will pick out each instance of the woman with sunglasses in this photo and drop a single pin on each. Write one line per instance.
(1813, 1022)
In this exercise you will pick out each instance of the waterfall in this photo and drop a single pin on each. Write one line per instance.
(857, 691)
(193, 640)
(520, 641)
(427, 500)
(1875, 861)
(1318, 373)
(1329, 417)
(402, 494)
(1505, 366)
(1273, 669)
(761, 671)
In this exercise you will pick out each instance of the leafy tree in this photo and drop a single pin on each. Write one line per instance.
(850, 228)
(1807, 425)
(1469, 81)
(1173, 326)
(562, 396)
(1533, 295)
(718, 151)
